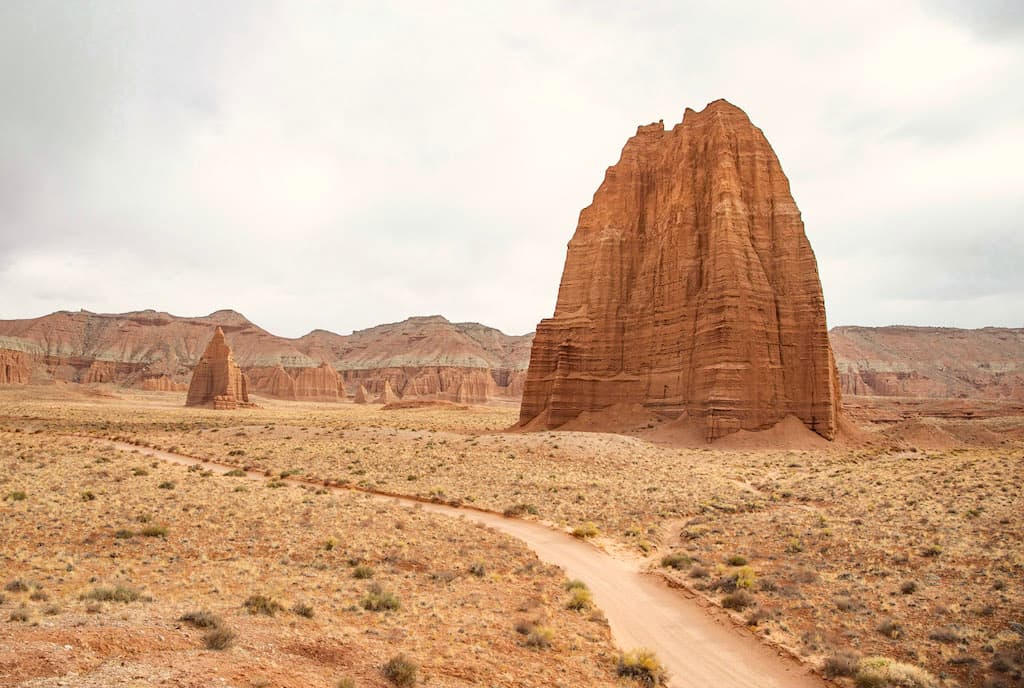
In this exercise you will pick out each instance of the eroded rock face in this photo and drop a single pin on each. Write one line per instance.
(317, 384)
(272, 382)
(689, 287)
(163, 384)
(362, 396)
(387, 395)
(130, 348)
(100, 372)
(216, 380)
(15, 367)
(931, 362)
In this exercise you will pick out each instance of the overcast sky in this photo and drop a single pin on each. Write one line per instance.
(339, 165)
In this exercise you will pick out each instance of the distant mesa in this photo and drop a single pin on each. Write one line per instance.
(216, 381)
(689, 290)
(426, 357)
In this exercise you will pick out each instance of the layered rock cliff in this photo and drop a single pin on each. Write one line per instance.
(429, 355)
(15, 367)
(689, 287)
(931, 362)
(163, 384)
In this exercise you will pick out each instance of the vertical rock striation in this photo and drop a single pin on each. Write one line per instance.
(362, 396)
(15, 367)
(387, 395)
(216, 380)
(689, 287)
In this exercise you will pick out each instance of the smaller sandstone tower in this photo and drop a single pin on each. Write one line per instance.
(216, 381)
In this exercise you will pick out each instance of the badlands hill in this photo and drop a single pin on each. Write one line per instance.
(157, 351)
(424, 357)
(932, 362)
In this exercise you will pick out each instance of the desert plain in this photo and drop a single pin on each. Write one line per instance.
(825, 552)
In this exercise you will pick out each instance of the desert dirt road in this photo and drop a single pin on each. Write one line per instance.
(642, 610)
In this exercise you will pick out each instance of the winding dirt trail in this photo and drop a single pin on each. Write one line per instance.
(642, 610)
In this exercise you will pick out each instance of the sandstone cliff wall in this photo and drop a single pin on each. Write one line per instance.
(931, 362)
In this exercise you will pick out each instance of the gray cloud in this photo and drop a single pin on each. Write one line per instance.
(1000, 19)
(341, 165)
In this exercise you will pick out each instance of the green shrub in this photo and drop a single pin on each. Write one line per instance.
(882, 672)
(124, 534)
(19, 585)
(738, 601)
(261, 604)
(303, 609)
(154, 531)
(587, 530)
(844, 663)
(642, 666)
(220, 638)
(580, 600)
(947, 634)
(736, 560)
(16, 496)
(377, 599)
(518, 510)
(166, 485)
(745, 577)
(362, 572)
(539, 637)
(235, 473)
(889, 629)
(116, 594)
(202, 619)
(401, 671)
(478, 569)
(676, 561)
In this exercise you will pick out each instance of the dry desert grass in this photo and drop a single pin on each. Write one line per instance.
(124, 571)
(843, 552)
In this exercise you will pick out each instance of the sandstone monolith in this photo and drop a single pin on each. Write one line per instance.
(387, 395)
(362, 395)
(689, 288)
(216, 380)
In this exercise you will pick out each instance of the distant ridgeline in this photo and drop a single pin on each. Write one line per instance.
(420, 358)
(431, 358)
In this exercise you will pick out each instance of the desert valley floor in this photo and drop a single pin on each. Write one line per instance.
(122, 569)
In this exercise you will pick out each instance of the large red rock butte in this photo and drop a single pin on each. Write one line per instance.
(690, 288)
(216, 380)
